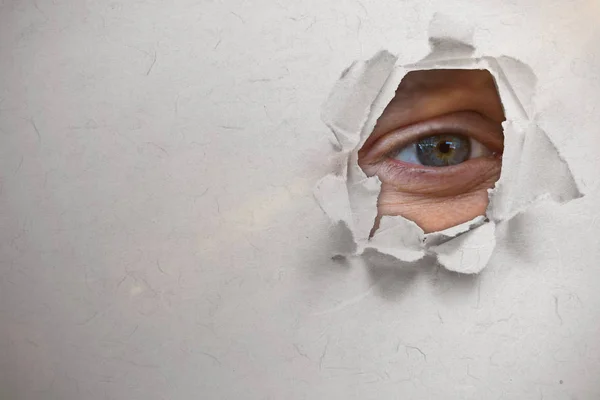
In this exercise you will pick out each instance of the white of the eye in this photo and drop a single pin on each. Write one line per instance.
(409, 153)
(478, 150)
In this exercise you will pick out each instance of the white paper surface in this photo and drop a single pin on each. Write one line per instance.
(159, 237)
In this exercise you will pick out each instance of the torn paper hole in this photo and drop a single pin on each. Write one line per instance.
(532, 169)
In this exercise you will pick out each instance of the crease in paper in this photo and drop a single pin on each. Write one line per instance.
(533, 170)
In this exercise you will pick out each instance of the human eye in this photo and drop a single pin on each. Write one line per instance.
(437, 148)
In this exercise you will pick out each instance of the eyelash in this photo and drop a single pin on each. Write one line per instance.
(478, 130)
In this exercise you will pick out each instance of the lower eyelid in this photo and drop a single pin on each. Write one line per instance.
(439, 181)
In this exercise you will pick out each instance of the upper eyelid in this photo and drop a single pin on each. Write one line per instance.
(409, 107)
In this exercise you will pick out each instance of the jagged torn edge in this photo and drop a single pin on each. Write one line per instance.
(532, 168)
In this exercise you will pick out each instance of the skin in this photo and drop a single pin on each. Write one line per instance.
(430, 103)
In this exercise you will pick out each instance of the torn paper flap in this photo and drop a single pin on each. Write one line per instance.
(532, 171)
(469, 252)
(399, 238)
(449, 38)
(348, 105)
(437, 238)
(332, 195)
(520, 81)
(449, 28)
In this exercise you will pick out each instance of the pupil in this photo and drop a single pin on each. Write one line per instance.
(444, 147)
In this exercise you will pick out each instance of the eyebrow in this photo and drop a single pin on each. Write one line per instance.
(425, 94)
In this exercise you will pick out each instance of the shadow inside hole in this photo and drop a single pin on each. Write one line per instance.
(338, 246)
(393, 279)
(453, 286)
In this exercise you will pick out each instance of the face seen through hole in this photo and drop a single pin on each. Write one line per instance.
(437, 148)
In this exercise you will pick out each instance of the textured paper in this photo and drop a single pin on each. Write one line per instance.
(532, 168)
(159, 237)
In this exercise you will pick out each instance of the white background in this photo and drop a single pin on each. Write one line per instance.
(159, 238)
